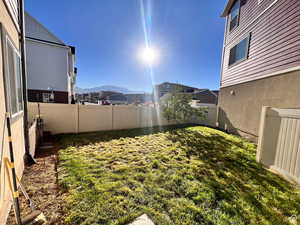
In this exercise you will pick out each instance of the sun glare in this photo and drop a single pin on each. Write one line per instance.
(149, 56)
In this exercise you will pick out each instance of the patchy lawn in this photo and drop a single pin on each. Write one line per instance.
(182, 176)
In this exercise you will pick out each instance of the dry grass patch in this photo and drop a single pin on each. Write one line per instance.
(189, 176)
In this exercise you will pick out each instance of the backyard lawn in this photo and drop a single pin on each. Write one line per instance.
(181, 176)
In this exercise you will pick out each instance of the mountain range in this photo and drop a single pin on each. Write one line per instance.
(106, 88)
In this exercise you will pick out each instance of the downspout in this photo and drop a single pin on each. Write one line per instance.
(28, 159)
(221, 70)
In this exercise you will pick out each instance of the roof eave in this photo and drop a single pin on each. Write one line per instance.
(227, 8)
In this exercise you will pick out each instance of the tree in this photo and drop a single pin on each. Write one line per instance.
(177, 106)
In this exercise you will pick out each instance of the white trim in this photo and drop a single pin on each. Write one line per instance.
(8, 89)
(13, 11)
(254, 20)
(223, 49)
(281, 72)
(248, 38)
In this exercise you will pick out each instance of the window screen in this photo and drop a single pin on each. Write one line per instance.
(234, 15)
(14, 81)
(239, 51)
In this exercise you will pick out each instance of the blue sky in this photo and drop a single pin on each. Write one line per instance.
(108, 35)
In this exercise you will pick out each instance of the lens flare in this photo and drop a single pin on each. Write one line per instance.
(149, 56)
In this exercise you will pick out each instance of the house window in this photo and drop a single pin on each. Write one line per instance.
(13, 78)
(239, 52)
(234, 15)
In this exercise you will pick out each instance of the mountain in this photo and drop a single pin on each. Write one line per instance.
(106, 88)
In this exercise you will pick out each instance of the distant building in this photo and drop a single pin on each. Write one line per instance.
(51, 72)
(96, 97)
(117, 99)
(104, 95)
(138, 98)
(204, 96)
(166, 87)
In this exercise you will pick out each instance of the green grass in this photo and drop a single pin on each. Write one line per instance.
(181, 176)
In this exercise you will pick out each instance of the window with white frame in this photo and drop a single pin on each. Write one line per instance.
(13, 79)
(240, 51)
(234, 15)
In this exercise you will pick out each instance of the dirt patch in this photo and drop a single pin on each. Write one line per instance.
(40, 181)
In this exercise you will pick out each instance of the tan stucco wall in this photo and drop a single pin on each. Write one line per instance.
(240, 112)
(17, 127)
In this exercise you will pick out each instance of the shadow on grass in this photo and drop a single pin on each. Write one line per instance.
(229, 186)
(230, 170)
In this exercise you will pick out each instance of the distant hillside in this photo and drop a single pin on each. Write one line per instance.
(106, 88)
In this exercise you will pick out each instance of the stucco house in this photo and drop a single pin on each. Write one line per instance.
(50, 64)
(261, 62)
(11, 95)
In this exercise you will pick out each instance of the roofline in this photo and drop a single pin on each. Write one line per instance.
(178, 85)
(227, 8)
(45, 41)
(44, 27)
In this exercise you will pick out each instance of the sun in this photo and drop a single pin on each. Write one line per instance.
(148, 55)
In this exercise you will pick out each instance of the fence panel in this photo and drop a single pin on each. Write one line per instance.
(59, 118)
(279, 141)
(66, 118)
(95, 118)
(125, 117)
(32, 111)
(210, 116)
(32, 138)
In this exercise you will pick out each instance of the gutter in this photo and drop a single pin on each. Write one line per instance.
(28, 159)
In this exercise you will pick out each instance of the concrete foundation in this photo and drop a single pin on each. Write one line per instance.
(240, 105)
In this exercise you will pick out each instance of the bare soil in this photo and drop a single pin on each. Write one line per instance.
(40, 182)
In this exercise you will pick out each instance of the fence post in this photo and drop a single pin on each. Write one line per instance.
(261, 132)
(77, 118)
(112, 117)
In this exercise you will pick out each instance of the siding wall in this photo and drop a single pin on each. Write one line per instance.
(275, 40)
(17, 126)
(47, 66)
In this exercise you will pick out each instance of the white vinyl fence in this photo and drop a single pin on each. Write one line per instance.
(66, 118)
(33, 138)
(279, 141)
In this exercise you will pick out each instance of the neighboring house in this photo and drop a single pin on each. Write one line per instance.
(95, 97)
(261, 62)
(51, 68)
(205, 97)
(11, 97)
(166, 87)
